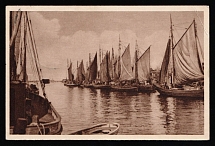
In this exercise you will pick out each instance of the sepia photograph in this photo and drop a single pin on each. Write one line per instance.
(107, 72)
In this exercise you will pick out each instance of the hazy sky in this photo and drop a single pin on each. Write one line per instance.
(73, 35)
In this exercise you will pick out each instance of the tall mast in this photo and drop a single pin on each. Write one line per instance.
(171, 36)
(119, 64)
(99, 54)
(102, 54)
(119, 46)
(24, 63)
(89, 59)
(136, 68)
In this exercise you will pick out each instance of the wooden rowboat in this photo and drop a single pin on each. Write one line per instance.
(99, 129)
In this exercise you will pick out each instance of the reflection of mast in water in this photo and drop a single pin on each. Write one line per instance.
(157, 117)
(96, 106)
(106, 105)
(170, 115)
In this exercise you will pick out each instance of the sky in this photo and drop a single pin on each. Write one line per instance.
(62, 35)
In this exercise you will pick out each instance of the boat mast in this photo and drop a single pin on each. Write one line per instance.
(89, 79)
(99, 54)
(24, 63)
(136, 58)
(99, 70)
(171, 35)
(119, 64)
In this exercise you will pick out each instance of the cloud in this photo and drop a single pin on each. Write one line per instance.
(55, 49)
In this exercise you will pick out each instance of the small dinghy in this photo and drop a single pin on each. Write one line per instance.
(99, 129)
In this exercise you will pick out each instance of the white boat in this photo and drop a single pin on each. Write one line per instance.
(99, 129)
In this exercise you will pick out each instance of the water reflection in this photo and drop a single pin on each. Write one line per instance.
(137, 113)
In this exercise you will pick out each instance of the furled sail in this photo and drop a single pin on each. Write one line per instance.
(126, 70)
(93, 69)
(16, 19)
(143, 64)
(20, 53)
(165, 63)
(188, 58)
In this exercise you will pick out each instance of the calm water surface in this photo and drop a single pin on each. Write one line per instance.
(137, 113)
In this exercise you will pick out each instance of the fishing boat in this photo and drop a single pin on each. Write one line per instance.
(70, 81)
(103, 83)
(125, 76)
(182, 70)
(31, 112)
(91, 73)
(99, 129)
(80, 74)
(142, 71)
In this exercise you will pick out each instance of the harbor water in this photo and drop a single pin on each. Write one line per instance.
(137, 113)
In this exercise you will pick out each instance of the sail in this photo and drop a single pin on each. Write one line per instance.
(143, 65)
(16, 18)
(70, 75)
(115, 69)
(165, 63)
(80, 73)
(87, 74)
(126, 70)
(110, 66)
(188, 59)
(93, 69)
(104, 71)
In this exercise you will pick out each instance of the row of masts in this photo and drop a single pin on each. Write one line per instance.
(115, 62)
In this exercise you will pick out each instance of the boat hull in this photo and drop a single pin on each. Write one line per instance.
(71, 85)
(179, 93)
(41, 116)
(146, 88)
(101, 86)
(99, 129)
(124, 89)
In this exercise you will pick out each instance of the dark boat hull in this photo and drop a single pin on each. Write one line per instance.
(124, 89)
(47, 121)
(179, 93)
(146, 88)
(71, 85)
(100, 129)
(101, 86)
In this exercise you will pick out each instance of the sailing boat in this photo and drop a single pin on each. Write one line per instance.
(70, 82)
(186, 73)
(104, 74)
(80, 74)
(31, 113)
(142, 71)
(125, 75)
(91, 73)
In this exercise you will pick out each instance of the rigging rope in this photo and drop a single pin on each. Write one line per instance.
(35, 56)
